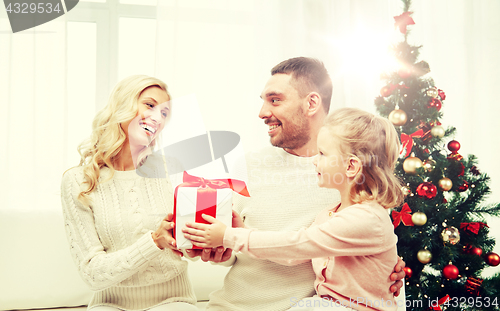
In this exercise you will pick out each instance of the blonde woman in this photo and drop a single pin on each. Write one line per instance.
(352, 244)
(115, 220)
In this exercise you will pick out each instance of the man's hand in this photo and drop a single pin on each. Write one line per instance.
(218, 254)
(398, 275)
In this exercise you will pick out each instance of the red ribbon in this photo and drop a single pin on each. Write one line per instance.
(472, 226)
(407, 141)
(403, 20)
(206, 195)
(441, 301)
(403, 216)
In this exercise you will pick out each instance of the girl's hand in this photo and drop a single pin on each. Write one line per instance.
(163, 235)
(237, 220)
(203, 235)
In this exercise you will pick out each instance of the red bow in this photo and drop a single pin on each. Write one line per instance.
(407, 141)
(403, 20)
(441, 301)
(472, 226)
(403, 216)
(236, 185)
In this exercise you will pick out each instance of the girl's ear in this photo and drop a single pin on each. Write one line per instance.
(353, 167)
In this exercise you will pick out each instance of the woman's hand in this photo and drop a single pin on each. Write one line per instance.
(163, 236)
(203, 235)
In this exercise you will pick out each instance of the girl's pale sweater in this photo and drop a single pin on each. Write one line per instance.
(353, 253)
(111, 242)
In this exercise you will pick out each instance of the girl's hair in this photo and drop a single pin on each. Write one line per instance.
(375, 142)
(107, 137)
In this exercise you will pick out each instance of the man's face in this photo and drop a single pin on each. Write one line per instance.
(283, 111)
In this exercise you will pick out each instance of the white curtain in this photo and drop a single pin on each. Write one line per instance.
(222, 52)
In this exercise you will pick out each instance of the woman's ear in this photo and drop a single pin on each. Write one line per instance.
(353, 167)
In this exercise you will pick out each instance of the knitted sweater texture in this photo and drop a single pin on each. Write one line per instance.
(284, 196)
(111, 242)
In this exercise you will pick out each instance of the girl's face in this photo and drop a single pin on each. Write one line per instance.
(153, 110)
(331, 163)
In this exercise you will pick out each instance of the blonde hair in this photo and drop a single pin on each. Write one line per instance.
(375, 142)
(107, 137)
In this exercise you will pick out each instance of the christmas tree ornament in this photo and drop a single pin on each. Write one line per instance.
(450, 272)
(435, 103)
(408, 272)
(432, 92)
(424, 256)
(406, 190)
(403, 216)
(450, 235)
(407, 141)
(492, 259)
(474, 171)
(472, 227)
(419, 218)
(476, 251)
(429, 165)
(473, 285)
(445, 184)
(427, 190)
(385, 91)
(398, 117)
(411, 164)
(421, 68)
(454, 146)
(463, 187)
(438, 131)
(403, 20)
(441, 94)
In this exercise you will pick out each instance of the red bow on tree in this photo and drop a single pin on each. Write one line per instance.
(407, 141)
(403, 20)
(404, 216)
(472, 226)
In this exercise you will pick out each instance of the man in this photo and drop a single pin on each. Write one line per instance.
(284, 191)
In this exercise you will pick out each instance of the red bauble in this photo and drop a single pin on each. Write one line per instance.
(427, 190)
(492, 259)
(385, 91)
(436, 103)
(450, 272)
(408, 272)
(441, 94)
(476, 251)
(454, 146)
(463, 187)
(405, 72)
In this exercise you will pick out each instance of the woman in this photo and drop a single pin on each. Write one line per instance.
(114, 221)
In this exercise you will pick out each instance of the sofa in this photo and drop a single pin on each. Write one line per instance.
(37, 271)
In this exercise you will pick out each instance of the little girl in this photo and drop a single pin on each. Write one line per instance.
(352, 245)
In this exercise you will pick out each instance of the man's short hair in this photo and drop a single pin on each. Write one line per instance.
(309, 75)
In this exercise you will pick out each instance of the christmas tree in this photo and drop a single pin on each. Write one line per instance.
(443, 236)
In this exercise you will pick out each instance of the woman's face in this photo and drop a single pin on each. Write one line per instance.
(153, 110)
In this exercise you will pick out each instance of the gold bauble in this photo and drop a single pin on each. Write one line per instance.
(438, 131)
(429, 165)
(411, 164)
(445, 184)
(432, 92)
(424, 256)
(450, 235)
(419, 218)
(398, 117)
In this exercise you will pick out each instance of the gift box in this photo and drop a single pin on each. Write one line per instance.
(197, 196)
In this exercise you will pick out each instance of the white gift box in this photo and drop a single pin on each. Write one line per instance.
(189, 208)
